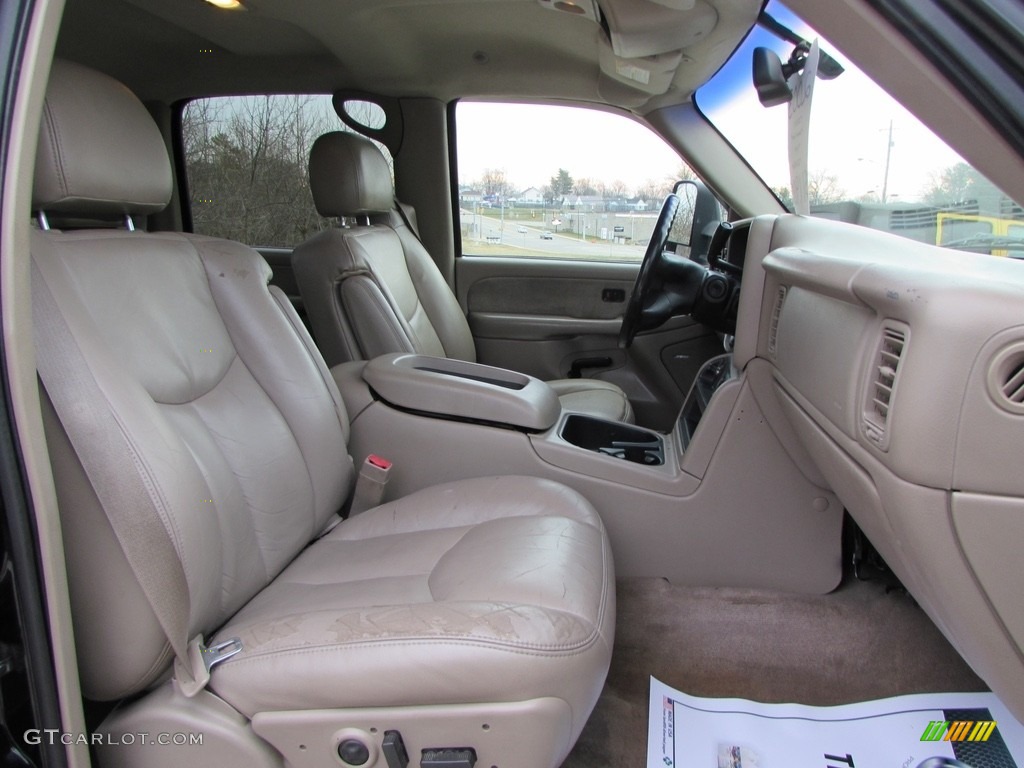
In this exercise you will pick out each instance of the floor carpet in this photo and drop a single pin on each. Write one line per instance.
(857, 643)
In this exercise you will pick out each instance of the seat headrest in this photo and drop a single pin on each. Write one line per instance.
(100, 153)
(349, 176)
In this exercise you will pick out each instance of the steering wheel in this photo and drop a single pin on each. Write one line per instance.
(643, 288)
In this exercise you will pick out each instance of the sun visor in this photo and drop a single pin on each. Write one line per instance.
(642, 28)
(645, 76)
(588, 9)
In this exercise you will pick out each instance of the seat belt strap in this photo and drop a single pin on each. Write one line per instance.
(404, 211)
(113, 471)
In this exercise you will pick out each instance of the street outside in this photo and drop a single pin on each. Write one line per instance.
(577, 235)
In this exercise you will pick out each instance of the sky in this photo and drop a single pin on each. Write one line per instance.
(850, 120)
(849, 134)
(530, 142)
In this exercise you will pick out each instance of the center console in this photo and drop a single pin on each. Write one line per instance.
(670, 511)
(613, 438)
(465, 391)
(455, 391)
(712, 375)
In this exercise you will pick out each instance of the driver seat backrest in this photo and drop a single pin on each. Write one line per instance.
(371, 288)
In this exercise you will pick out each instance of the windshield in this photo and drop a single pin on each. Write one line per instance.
(870, 161)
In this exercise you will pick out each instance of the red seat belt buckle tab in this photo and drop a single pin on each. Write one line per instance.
(378, 461)
(371, 483)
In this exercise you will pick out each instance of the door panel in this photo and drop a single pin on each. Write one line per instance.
(542, 316)
(537, 327)
(580, 297)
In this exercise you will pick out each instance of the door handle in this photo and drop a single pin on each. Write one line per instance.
(576, 369)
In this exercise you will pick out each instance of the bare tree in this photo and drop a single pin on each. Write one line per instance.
(584, 187)
(685, 173)
(201, 122)
(247, 160)
(617, 189)
(823, 187)
(652, 189)
(785, 196)
(495, 182)
(959, 183)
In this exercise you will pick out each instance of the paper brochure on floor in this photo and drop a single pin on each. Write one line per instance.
(927, 730)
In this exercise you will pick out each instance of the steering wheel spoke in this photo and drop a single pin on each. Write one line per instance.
(643, 288)
(670, 284)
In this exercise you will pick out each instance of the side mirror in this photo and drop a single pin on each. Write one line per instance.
(696, 220)
(770, 78)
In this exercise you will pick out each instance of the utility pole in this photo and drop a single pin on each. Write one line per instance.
(888, 157)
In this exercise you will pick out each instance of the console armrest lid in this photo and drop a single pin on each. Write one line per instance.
(463, 390)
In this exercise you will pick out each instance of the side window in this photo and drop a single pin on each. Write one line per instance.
(548, 181)
(247, 161)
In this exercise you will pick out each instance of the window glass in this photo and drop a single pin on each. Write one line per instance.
(366, 113)
(247, 160)
(871, 162)
(548, 181)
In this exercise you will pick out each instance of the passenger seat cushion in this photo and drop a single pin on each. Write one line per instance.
(594, 397)
(510, 578)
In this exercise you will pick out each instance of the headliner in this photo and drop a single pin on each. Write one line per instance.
(167, 50)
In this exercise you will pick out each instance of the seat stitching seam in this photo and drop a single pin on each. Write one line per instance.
(577, 647)
(440, 557)
(279, 299)
(525, 648)
(280, 412)
(53, 131)
(380, 308)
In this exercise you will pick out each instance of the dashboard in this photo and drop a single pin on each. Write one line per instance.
(899, 369)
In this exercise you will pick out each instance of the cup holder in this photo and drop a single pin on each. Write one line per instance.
(612, 438)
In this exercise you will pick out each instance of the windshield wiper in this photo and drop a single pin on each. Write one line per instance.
(988, 242)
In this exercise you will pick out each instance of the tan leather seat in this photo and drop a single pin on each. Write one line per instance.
(372, 288)
(477, 614)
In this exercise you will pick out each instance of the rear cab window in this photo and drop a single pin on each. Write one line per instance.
(559, 182)
(247, 160)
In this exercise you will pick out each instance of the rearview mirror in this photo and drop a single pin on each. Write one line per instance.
(770, 79)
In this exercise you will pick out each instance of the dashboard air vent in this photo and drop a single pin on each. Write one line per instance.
(773, 326)
(884, 375)
(1006, 379)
